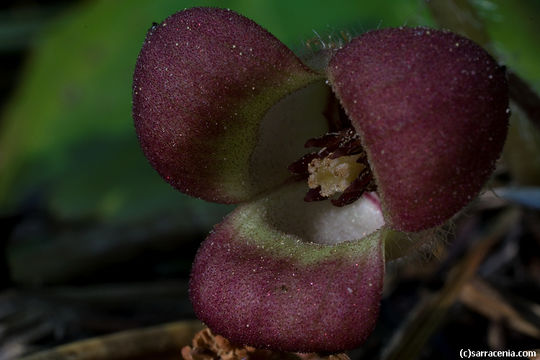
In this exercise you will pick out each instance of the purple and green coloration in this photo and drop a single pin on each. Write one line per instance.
(223, 109)
(431, 109)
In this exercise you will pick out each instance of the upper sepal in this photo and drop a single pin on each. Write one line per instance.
(203, 81)
(431, 109)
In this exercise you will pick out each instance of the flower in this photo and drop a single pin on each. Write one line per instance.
(404, 137)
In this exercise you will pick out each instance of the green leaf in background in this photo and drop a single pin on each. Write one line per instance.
(67, 137)
(514, 28)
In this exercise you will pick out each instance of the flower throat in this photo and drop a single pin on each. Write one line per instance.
(339, 167)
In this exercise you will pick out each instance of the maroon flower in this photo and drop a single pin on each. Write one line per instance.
(404, 137)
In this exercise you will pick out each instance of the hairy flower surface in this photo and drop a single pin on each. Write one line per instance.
(404, 137)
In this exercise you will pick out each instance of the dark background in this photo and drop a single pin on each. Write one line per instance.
(92, 241)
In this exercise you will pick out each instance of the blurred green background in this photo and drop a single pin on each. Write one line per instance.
(67, 134)
(68, 150)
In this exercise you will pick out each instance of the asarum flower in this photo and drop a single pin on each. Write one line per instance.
(402, 129)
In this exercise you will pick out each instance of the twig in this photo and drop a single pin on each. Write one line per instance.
(410, 340)
(525, 97)
(160, 342)
(459, 16)
(482, 298)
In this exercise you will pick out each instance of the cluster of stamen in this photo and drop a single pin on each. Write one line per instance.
(340, 166)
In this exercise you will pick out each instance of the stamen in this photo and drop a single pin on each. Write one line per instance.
(314, 195)
(333, 175)
(300, 166)
(329, 140)
(339, 167)
(364, 182)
